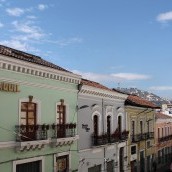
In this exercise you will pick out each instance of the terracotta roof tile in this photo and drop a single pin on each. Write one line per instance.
(160, 115)
(135, 100)
(94, 84)
(10, 52)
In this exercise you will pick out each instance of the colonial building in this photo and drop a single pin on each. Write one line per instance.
(102, 129)
(163, 135)
(38, 114)
(141, 124)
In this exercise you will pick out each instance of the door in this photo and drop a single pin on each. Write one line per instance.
(28, 121)
(142, 162)
(61, 120)
(62, 163)
(96, 168)
(95, 127)
(121, 159)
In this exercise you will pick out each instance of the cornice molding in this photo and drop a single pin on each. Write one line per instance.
(19, 66)
(87, 90)
(37, 85)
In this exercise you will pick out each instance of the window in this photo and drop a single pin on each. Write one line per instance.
(28, 120)
(162, 133)
(133, 150)
(29, 167)
(28, 113)
(119, 124)
(61, 113)
(132, 129)
(108, 126)
(61, 119)
(62, 163)
(158, 133)
(148, 144)
(141, 127)
(95, 125)
(35, 164)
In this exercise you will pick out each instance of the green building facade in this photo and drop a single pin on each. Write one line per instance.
(38, 114)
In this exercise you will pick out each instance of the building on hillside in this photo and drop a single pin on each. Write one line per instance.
(102, 129)
(38, 114)
(163, 140)
(141, 123)
(167, 109)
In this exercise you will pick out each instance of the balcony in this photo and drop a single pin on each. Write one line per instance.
(99, 140)
(31, 136)
(150, 135)
(109, 138)
(142, 136)
(165, 138)
(64, 134)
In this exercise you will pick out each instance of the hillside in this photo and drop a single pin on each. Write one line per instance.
(146, 95)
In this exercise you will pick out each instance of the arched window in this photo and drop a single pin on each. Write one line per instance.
(119, 124)
(95, 125)
(108, 126)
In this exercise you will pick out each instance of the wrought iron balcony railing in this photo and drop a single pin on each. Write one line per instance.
(109, 138)
(150, 135)
(99, 140)
(64, 130)
(31, 132)
(142, 136)
(165, 138)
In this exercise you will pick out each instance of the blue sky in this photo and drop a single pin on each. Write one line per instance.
(108, 41)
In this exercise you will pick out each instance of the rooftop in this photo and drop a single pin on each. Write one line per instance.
(135, 100)
(13, 53)
(160, 115)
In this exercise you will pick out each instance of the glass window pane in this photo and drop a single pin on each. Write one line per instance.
(23, 106)
(31, 106)
(30, 115)
(30, 121)
(23, 121)
(23, 114)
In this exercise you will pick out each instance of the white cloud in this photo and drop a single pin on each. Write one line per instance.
(163, 17)
(1, 25)
(15, 11)
(111, 77)
(16, 44)
(130, 76)
(161, 88)
(30, 31)
(66, 42)
(42, 7)
(31, 17)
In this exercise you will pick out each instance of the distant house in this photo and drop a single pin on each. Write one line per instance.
(102, 129)
(141, 122)
(163, 134)
(38, 114)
